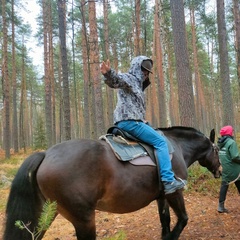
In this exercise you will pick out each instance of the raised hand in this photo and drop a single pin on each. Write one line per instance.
(105, 67)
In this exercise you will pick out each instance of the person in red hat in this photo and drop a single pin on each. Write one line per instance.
(230, 161)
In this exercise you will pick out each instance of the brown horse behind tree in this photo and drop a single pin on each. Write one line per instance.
(84, 175)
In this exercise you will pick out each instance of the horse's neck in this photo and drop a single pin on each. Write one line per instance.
(189, 162)
(191, 152)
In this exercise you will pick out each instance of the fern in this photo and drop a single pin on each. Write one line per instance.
(47, 216)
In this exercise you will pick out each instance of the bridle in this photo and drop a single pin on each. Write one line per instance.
(215, 151)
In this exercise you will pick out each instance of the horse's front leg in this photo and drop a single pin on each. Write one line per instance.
(84, 224)
(164, 215)
(176, 202)
(85, 232)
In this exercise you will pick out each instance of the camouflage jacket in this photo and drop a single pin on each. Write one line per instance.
(130, 96)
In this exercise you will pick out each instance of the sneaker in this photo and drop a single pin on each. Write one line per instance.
(171, 187)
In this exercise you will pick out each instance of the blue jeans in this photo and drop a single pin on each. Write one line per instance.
(147, 134)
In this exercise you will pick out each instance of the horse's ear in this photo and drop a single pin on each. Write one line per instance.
(212, 135)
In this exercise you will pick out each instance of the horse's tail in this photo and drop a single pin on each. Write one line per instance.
(24, 202)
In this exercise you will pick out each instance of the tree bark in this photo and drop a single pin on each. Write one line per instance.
(6, 87)
(109, 91)
(64, 60)
(185, 88)
(87, 123)
(137, 50)
(200, 99)
(23, 120)
(228, 114)
(47, 79)
(236, 13)
(95, 76)
(159, 69)
(14, 87)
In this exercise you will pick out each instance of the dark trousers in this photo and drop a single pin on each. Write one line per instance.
(224, 189)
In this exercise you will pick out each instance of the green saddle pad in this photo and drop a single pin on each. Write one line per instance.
(124, 150)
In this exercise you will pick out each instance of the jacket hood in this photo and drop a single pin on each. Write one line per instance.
(223, 140)
(135, 67)
(226, 130)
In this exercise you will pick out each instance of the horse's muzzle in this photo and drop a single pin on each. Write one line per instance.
(218, 173)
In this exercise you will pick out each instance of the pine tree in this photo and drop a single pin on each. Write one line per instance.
(39, 141)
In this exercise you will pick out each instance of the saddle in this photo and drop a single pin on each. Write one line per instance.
(128, 148)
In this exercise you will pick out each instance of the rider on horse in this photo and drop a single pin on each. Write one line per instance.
(130, 111)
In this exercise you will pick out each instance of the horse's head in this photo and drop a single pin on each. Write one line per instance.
(217, 168)
(211, 160)
(195, 146)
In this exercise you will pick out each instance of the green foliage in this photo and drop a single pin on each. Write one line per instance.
(201, 180)
(2, 203)
(47, 216)
(14, 160)
(19, 225)
(39, 138)
(44, 222)
(10, 167)
(11, 172)
(118, 236)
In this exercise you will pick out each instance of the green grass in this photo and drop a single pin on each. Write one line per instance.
(118, 236)
(14, 160)
(8, 170)
(202, 181)
(2, 204)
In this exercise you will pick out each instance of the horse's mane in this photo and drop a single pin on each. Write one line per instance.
(181, 129)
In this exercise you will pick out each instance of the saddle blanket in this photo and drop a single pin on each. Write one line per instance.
(126, 150)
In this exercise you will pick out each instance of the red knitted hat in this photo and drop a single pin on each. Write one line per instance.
(226, 130)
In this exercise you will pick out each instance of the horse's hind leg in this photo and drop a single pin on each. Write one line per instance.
(164, 214)
(176, 202)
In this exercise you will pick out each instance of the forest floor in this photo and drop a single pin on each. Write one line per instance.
(205, 223)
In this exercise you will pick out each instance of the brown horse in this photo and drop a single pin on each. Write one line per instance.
(84, 175)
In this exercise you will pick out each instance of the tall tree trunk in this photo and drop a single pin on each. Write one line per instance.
(47, 78)
(173, 96)
(75, 100)
(200, 99)
(152, 100)
(14, 87)
(64, 60)
(236, 13)
(228, 114)
(6, 87)
(110, 93)
(87, 124)
(51, 72)
(159, 68)
(95, 76)
(23, 104)
(144, 42)
(59, 85)
(137, 50)
(185, 89)
(173, 104)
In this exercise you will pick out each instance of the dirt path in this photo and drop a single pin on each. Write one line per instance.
(205, 223)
